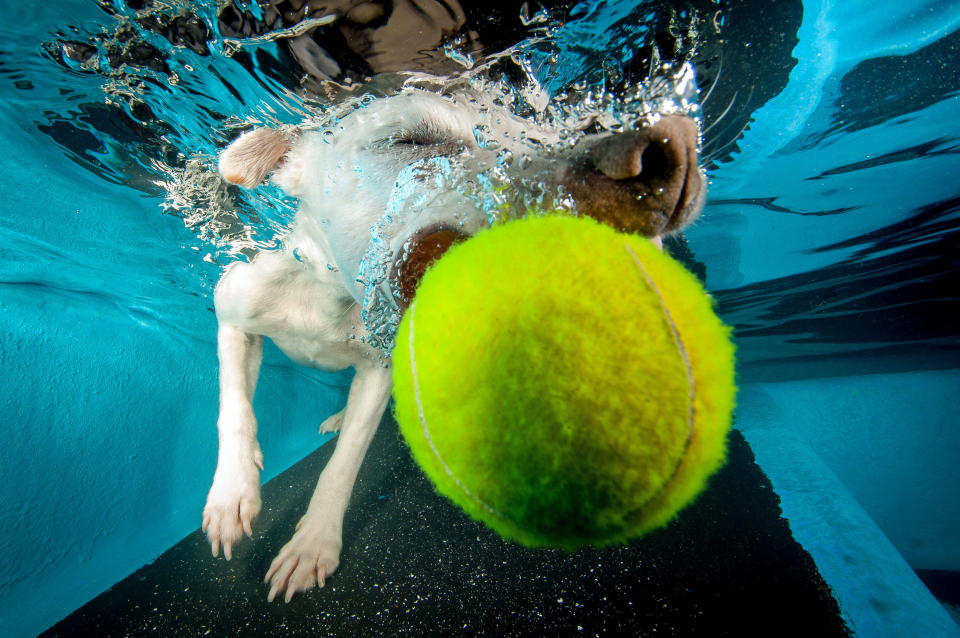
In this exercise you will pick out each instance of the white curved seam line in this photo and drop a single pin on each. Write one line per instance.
(426, 430)
(680, 348)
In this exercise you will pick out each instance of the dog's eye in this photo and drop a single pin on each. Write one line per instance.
(411, 141)
(414, 138)
(419, 142)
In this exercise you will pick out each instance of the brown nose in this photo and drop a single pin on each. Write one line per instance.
(645, 181)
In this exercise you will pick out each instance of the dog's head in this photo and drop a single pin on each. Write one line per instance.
(397, 182)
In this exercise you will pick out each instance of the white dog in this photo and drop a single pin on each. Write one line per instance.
(376, 175)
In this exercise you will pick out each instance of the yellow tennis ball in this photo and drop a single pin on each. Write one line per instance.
(564, 383)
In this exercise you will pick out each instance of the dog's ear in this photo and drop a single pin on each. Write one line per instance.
(253, 155)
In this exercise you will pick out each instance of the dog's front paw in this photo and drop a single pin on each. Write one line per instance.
(305, 561)
(233, 502)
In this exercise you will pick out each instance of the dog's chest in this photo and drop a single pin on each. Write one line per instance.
(319, 337)
(313, 318)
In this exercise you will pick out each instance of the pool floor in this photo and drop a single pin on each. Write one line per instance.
(413, 563)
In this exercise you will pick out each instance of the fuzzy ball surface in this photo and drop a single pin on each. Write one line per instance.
(564, 383)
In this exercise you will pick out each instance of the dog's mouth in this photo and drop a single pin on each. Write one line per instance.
(416, 255)
(420, 251)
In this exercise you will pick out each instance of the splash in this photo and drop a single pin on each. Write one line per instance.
(232, 45)
(186, 90)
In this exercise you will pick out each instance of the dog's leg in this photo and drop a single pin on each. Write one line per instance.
(234, 499)
(314, 551)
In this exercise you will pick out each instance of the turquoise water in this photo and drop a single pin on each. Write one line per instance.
(829, 242)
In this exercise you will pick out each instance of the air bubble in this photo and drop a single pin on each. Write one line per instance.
(528, 19)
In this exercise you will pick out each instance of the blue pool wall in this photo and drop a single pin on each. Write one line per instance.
(108, 388)
(891, 438)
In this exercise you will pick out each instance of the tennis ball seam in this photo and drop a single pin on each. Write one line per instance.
(688, 368)
(426, 429)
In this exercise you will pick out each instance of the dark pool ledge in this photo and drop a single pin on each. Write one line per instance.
(878, 592)
(414, 564)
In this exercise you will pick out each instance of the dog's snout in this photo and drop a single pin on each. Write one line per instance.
(645, 181)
